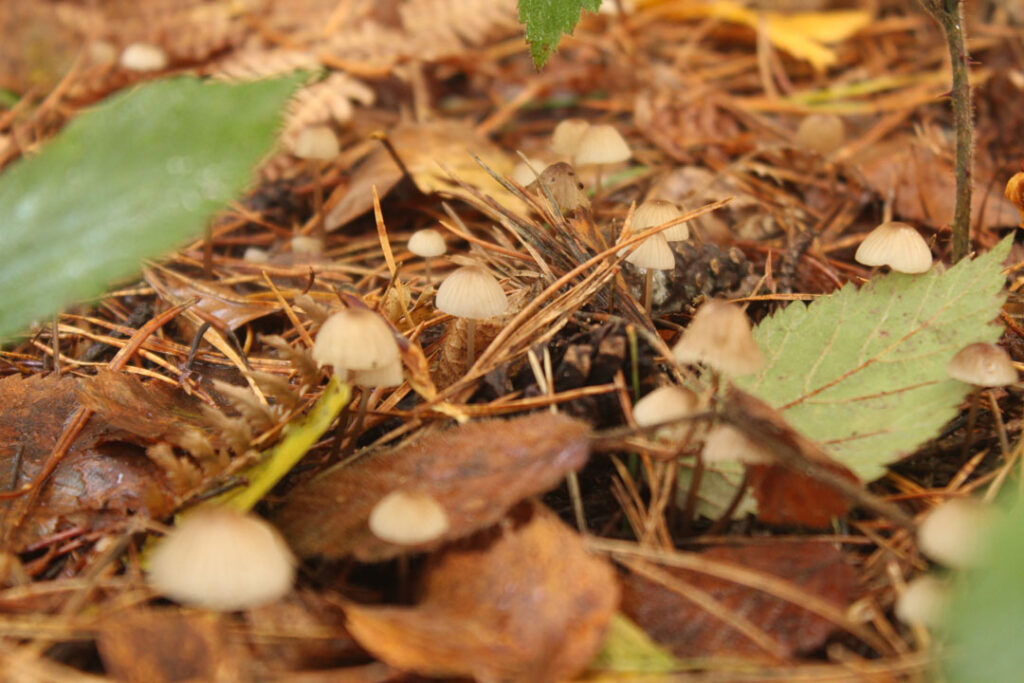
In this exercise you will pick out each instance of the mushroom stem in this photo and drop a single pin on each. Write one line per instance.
(430, 277)
(470, 342)
(364, 398)
(997, 415)
(319, 231)
(597, 183)
(648, 282)
(972, 415)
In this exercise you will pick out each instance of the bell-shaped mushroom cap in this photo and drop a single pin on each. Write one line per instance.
(387, 376)
(897, 245)
(954, 532)
(665, 404)
(653, 253)
(307, 246)
(316, 142)
(720, 336)
(601, 144)
(983, 365)
(221, 559)
(408, 518)
(355, 339)
(427, 243)
(725, 443)
(471, 292)
(820, 133)
(924, 601)
(143, 57)
(563, 184)
(566, 137)
(655, 212)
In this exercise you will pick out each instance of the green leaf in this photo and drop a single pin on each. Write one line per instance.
(547, 20)
(863, 371)
(129, 179)
(628, 649)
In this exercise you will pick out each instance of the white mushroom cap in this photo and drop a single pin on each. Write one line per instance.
(953, 532)
(427, 243)
(471, 292)
(355, 339)
(725, 443)
(665, 404)
(720, 336)
(387, 376)
(316, 142)
(307, 246)
(653, 253)
(408, 518)
(655, 212)
(820, 133)
(143, 57)
(983, 365)
(523, 174)
(221, 559)
(924, 601)
(566, 137)
(897, 245)
(601, 144)
(256, 255)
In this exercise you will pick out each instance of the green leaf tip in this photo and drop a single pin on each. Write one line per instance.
(126, 180)
(547, 20)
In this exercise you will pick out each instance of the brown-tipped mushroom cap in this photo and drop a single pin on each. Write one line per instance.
(566, 137)
(665, 404)
(355, 339)
(221, 559)
(725, 443)
(563, 184)
(601, 144)
(655, 212)
(316, 142)
(897, 245)
(408, 518)
(954, 532)
(983, 365)
(471, 292)
(820, 133)
(720, 336)
(653, 253)
(427, 243)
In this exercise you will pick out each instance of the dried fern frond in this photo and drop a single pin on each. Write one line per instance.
(254, 64)
(328, 101)
(452, 23)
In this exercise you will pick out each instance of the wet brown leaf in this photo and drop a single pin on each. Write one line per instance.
(788, 497)
(689, 631)
(476, 472)
(524, 602)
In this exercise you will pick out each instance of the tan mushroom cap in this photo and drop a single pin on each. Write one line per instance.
(601, 144)
(925, 601)
(897, 245)
(427, 243)
(355, 339)
(720, 336)
(983, 365)
(408, 518)
(221, 559)
(655, 212)
(820, 133)
(566, 137)
(143, 57)
(725, 443)
(387, 376)
(666, 404)
(307, 246)
(954, 532)
(471, 292)
(653, 253)
(523, 172)
(563, 184)
(316, 142)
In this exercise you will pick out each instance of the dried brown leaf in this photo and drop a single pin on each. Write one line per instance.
(523, 602)
(476, 472)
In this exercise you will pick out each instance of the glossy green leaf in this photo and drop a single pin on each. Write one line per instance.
(547, 20)
(128, 179)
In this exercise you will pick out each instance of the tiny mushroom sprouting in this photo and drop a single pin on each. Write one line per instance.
(408, 518)
(317, 144)
(600, 145)
(720, 336)
(305, 245)
(897, 245)
(143, 57)
(666, 404)
(472, 293)
(955, 532)
(924, 601)
(651, 254)
(822, 134)
(565, 139)
(983, 365)
(427, 244)
(221, 559)
(655, 212)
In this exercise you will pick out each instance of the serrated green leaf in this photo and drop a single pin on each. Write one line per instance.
(863, 371)
(628, 649)
(547, 20)
(127, 180)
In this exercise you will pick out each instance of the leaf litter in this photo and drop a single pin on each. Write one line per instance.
(712, 103)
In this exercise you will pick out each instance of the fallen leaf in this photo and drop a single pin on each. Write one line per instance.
(215, 302)
(521, 602)
(787, 497)
(628, 649)
(301, 631)
(476, 472)
(689, 631)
